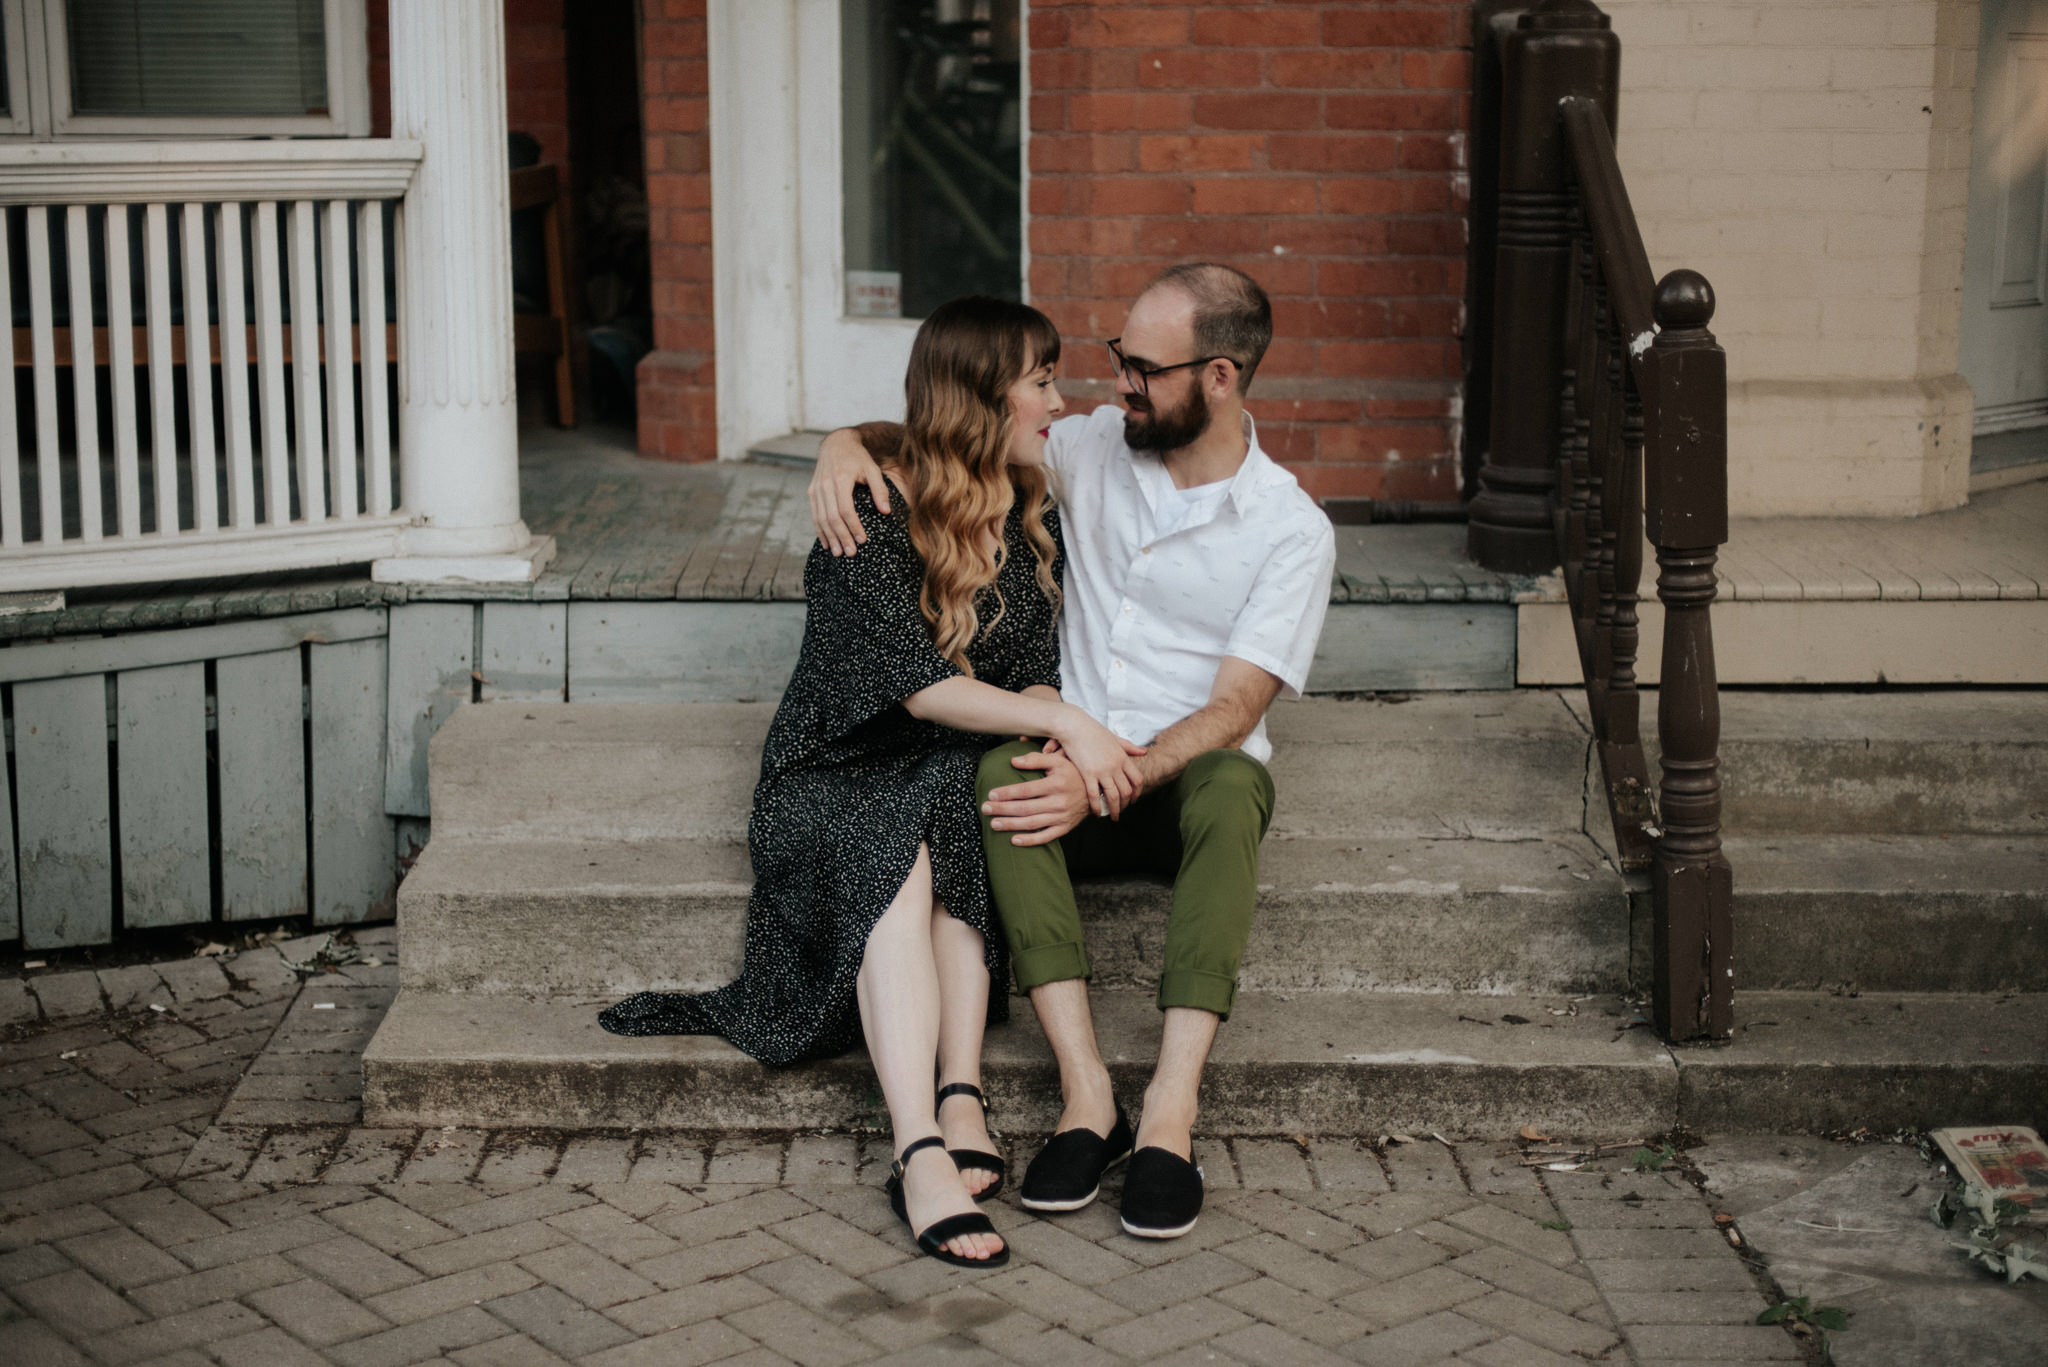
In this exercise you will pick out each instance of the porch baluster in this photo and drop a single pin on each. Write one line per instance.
(1685, 412)
(43, 344)
(270, 390)
(121, 376)
(85, 400)
(302, 270)
(163, 397)
(341, 395)
(376, 405)
(10, 452)
(234, 367)
(203, 454)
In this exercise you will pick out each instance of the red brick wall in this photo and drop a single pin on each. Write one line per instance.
(537, 76)
(678, 396)
(1317, 146)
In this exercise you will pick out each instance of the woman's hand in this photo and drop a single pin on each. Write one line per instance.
(1105, 760)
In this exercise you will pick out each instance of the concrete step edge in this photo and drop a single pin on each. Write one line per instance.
(1286, 1063)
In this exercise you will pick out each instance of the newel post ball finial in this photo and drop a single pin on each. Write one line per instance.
(1684, 301)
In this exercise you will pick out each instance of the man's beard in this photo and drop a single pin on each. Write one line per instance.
(1160, 432)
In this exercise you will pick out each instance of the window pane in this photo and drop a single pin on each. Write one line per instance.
(204, 57)
(931, 124)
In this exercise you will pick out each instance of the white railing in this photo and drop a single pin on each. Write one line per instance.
(274, 448)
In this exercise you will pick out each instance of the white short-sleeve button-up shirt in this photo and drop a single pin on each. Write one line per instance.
(1160, 587)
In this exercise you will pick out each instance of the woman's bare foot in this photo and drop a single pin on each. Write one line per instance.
(932, 1190)
(965, 1126)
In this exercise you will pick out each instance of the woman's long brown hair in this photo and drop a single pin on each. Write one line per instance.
(955, 453)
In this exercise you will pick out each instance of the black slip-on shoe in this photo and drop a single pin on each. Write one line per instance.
(1068, 1170)
(1162, 1194)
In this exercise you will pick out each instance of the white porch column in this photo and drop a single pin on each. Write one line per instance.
(457, 419)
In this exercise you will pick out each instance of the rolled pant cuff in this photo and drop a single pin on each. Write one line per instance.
(1042, 964)
(1193, 987)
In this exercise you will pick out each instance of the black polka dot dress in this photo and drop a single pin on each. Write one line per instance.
(851, 783)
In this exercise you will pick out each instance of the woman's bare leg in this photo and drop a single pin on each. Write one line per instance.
(898, 989)
(957, 951)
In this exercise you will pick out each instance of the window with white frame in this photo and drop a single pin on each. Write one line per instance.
(183, 68)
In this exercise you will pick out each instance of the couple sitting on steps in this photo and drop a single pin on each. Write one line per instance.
(1128, 589)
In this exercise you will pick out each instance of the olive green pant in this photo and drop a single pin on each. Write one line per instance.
(1202, 831)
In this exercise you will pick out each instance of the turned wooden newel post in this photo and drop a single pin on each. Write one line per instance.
(1685, 422)
(1559, 49)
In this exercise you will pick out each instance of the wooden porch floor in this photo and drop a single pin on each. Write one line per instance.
(627, 528)
(630, 529)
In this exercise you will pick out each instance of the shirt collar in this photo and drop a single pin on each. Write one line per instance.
(1252, 477)
(1255, 474)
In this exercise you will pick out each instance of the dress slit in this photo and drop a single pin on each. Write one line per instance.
(851, 784)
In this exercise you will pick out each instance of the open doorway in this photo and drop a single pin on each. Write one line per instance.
(608, 187)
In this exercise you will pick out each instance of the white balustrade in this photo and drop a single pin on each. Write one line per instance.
(275, 451)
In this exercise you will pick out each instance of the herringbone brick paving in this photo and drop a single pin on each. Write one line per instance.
(193, 1185)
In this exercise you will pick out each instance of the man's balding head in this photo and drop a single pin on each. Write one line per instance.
(1232, 316)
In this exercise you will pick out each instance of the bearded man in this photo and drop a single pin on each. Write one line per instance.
(1198, 573)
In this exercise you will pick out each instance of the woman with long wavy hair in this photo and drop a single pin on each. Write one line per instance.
(870, 915)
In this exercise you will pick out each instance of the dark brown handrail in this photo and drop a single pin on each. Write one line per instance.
(1644, 454)
(1603, 199)
(1607, 426)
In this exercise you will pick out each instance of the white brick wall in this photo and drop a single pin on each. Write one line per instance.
(1805, 155)
(1811, 158)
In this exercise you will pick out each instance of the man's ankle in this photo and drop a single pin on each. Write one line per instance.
(1088, 1099)
(1168, 1122)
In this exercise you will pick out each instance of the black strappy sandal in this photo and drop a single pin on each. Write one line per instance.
(964, 1159)
(932, 1240)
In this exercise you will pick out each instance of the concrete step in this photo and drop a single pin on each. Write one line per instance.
(615, 917)
(1967, 762)
(1491, 765)
(1893, 913)
(1286, 1063)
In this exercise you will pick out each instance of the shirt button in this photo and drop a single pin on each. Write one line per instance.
(1146, 551)
(1116, 664)
(1129, 608)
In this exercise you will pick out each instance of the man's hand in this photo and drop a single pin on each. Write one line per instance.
(1045, 808)
(843, 463)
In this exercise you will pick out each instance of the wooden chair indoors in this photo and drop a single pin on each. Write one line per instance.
(547, 334)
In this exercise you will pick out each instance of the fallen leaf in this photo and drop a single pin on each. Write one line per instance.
(1534, 1135)
(69, 1053)
(1563, 1167)
(1400, 1139)
(211, 949)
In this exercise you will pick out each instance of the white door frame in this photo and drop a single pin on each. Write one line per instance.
(788, 357)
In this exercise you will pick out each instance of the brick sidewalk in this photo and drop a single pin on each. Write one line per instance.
(192, 1185)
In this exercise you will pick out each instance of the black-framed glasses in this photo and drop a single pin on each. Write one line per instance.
(1141, 375)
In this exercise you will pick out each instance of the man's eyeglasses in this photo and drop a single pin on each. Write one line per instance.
(1141, 374)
